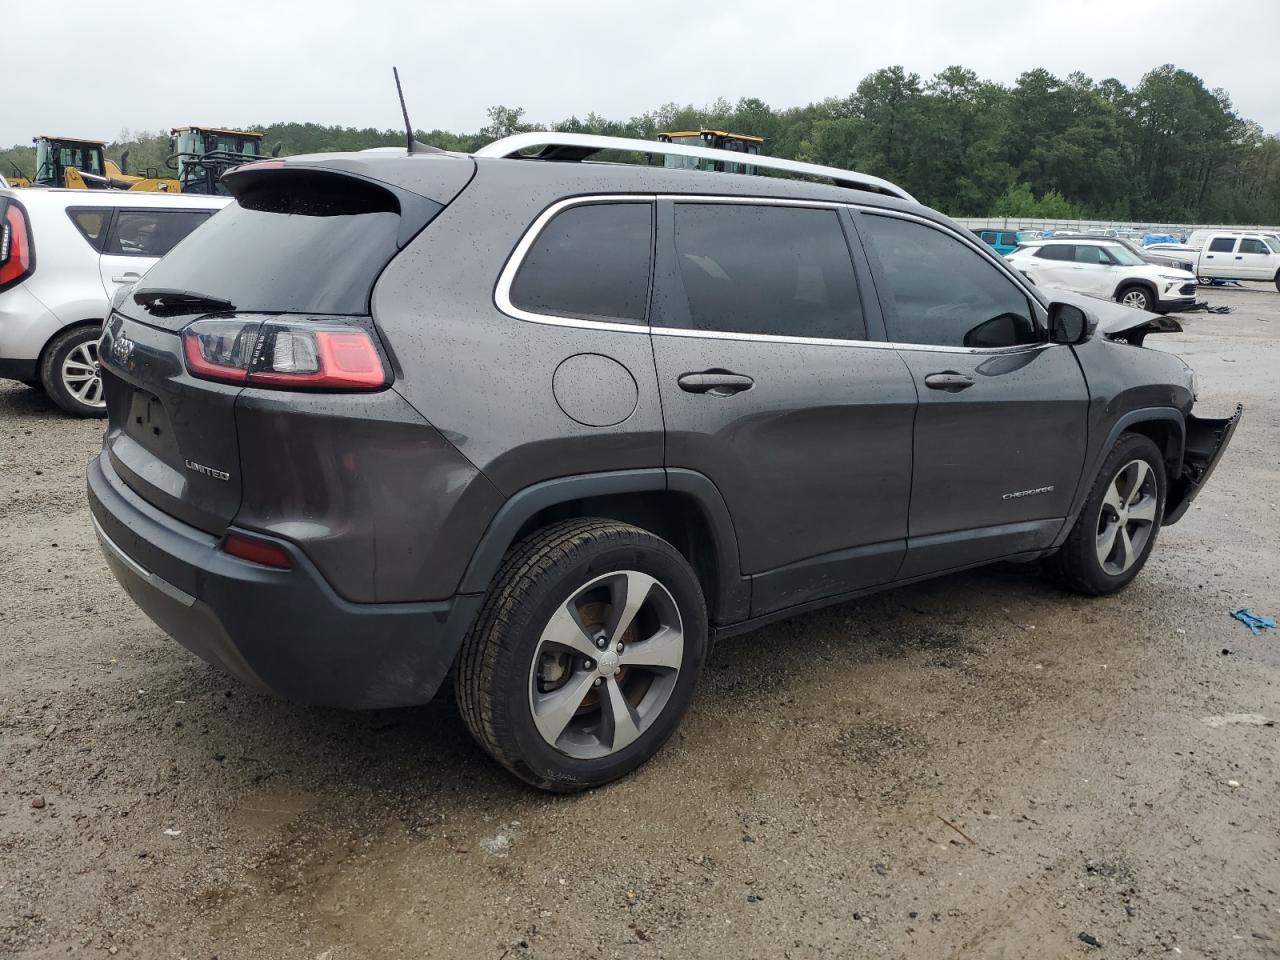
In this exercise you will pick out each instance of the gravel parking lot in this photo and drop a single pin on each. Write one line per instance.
(980, 766)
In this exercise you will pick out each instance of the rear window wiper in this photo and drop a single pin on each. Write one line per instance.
(170, 302)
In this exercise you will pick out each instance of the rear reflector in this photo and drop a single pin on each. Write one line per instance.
(265, 552)
(15, 246)
(290, 355)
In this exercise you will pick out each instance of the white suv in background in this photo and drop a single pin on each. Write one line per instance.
(1105, 268)
(63, 254)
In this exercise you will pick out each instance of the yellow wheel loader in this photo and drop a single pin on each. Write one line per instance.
(83, 165)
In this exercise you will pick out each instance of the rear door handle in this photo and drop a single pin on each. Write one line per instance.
(716, 383)
(127, 278)
(949, 381)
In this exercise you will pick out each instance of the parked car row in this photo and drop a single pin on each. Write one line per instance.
(1108, 269)
(63, 253)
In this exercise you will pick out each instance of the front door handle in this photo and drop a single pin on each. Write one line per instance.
(716, 383)
(129, 277)
(949, 381)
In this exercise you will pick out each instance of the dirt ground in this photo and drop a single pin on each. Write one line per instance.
(981, 766)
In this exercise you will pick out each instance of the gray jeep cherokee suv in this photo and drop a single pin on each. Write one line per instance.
(552, 426)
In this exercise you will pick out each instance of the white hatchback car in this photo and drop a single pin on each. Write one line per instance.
(63, 254)
(1105, 268)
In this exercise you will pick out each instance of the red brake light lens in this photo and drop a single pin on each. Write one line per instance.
(264, 552)
(15, 246)
(220, 349)
(305, 355)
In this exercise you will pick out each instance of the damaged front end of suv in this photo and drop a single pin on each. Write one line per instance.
(1198, 447)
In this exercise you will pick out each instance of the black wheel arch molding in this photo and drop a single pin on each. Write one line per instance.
(729, 598)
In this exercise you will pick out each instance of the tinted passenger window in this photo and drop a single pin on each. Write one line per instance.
(92, 224)
(781, 271)
(1222, 244)
(1057, 251)
(591, 261)
(944, 293)
(1253, 246)
(151, 233)
(1091, 255)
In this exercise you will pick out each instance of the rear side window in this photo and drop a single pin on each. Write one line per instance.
(151, 233)
(943, 292)
(1009, 239)
(92, 222)
(774, 270)
(293, 242)
(1056, 251)
(1222, 244)
(591, 261)
(1253, 246)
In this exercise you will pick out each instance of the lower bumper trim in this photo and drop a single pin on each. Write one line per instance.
(164, 586)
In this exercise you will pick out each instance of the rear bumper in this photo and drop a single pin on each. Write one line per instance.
(17, 369)
(26, 325)
(283, 631)
(1206, 441)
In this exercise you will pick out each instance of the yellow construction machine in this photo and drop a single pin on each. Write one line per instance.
(79, 164)
(201, 155)
(717, 139)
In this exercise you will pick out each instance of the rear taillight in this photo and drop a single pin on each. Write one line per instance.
(289, 355)
(16, 257)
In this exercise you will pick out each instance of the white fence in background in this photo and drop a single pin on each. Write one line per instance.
(1086, 226)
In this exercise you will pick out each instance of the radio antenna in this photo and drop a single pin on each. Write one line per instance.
(408, 127)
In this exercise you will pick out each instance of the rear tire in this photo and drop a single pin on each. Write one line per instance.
(1277, 278)
(1117, 527)
(69, 372)
(534, 685)
(1136, 296)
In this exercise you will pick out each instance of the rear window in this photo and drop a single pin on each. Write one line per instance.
(151, 233)
(1056, 251)
(592, 262)
(92, 222)
(291, 243)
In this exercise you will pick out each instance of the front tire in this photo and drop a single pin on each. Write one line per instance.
(585, 655)
(1136, 296)
(1117, 527)
(70, 374)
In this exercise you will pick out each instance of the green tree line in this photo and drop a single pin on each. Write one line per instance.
(1169, 149)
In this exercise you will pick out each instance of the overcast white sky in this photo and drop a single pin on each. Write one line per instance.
(94, 68)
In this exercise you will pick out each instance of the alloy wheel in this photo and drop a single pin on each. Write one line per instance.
(1128, 517)
(606, 664)
(1136, 299)
(81, 376)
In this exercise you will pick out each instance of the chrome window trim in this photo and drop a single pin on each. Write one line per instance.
(502, 291)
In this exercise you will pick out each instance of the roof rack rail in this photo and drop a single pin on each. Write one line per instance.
(573, 147)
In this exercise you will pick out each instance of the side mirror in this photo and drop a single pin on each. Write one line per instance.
(1070, 324)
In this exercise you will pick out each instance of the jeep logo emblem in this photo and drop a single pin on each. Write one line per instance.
(121, 350)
